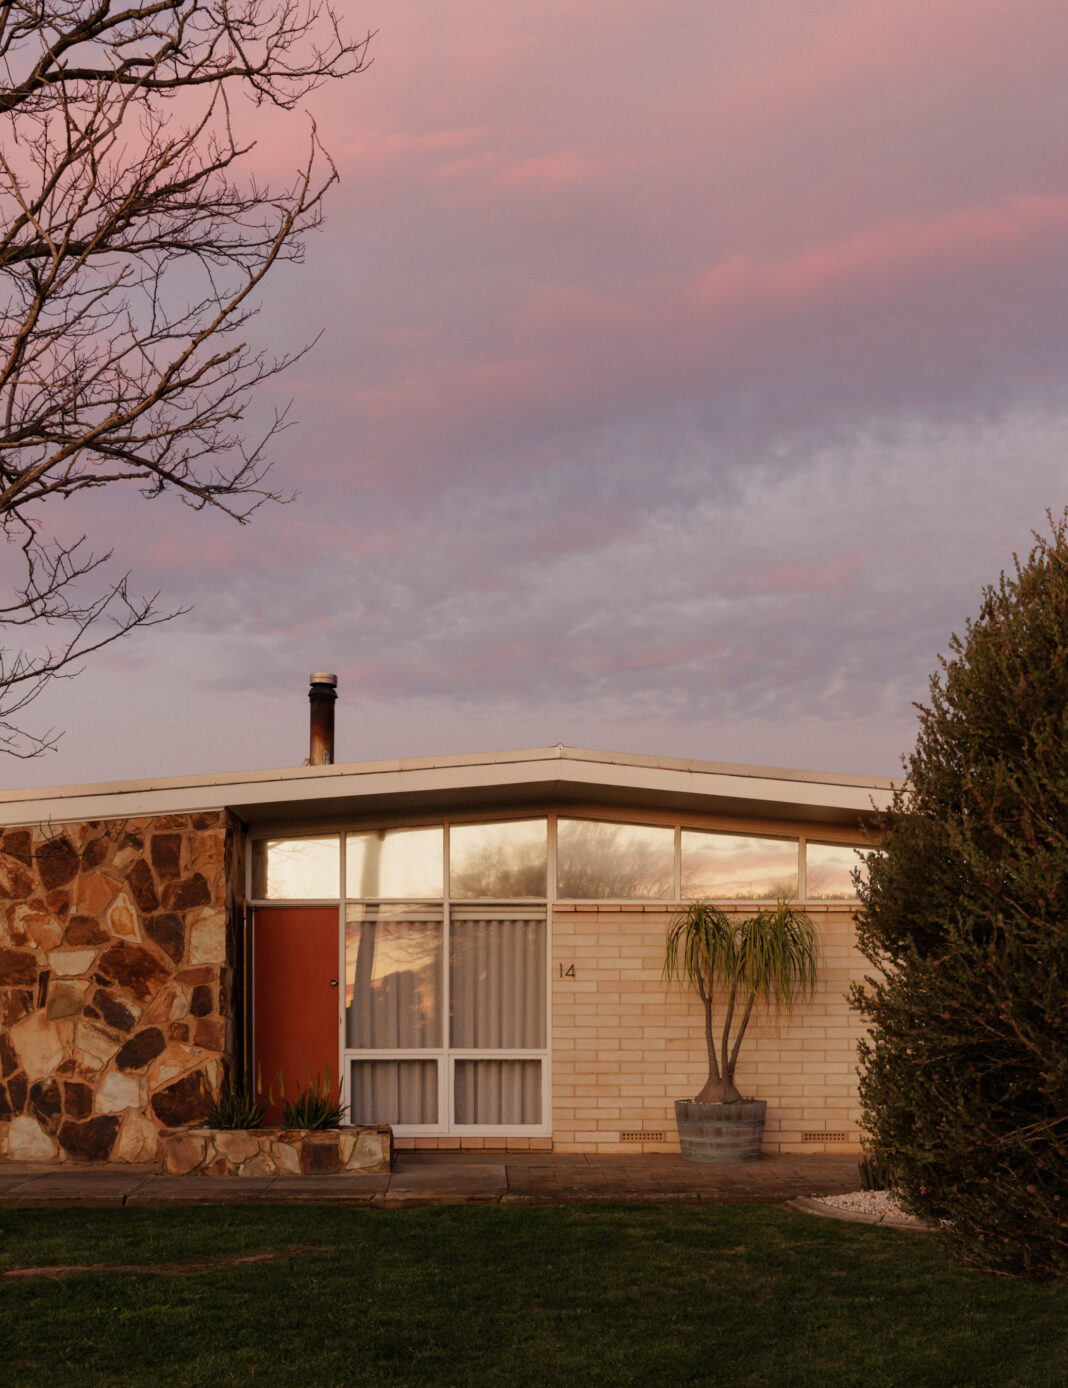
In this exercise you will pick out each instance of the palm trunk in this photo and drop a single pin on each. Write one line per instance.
(729, 1070)
(719, 1087)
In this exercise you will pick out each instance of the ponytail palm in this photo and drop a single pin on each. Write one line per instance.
(770, 958)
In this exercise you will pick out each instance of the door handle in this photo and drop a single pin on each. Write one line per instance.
(333, 983)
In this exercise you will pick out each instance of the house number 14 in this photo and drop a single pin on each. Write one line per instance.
(569, 972)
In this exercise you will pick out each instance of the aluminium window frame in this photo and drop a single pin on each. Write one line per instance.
(445, 1055)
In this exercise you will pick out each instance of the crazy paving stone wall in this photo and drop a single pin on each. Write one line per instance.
(119, 952)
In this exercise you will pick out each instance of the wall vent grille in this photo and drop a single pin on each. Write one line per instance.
(824, 1137)
(643, 1135)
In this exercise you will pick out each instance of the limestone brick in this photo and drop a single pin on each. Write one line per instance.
(118, 1092)
(94, 894)
(38, 1044)
(137, 1140)
(39, 926)
(624, 1047)
(207, 937)
(66, 999)
(69, 963)
(27, 1141)
(93, 1047)
(122, 917)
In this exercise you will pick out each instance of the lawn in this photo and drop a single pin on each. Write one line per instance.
(476, 1295)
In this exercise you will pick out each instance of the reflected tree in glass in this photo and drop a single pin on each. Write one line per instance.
(296, 869)
(500, 861)
(393, 980)
(596, 859)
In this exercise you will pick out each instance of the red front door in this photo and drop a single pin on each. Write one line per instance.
(295, 999)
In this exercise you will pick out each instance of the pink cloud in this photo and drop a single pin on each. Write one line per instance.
(814, 56)
(548, 173)
(875, 260)
(663, 657)
(379, 163)
(823, 576)
(560, 309)
(447, 390)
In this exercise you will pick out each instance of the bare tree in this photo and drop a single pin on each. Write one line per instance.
(130, 253)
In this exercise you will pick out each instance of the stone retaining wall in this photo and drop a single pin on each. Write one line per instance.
(118, 946)
(275, 1152)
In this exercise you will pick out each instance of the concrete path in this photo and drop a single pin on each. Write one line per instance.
(433, 1178)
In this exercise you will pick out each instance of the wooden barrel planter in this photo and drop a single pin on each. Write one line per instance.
(721, 1132)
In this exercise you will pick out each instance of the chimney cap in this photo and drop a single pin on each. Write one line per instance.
(320, 678)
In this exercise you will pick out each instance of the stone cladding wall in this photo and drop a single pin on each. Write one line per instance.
(276, 1151)
(120, 943)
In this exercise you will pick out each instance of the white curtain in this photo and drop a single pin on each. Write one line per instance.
(497, 1003)
(505, 1092)
(497, 984)
(394, 1091)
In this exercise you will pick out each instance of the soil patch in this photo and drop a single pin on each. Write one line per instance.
(166, 1269)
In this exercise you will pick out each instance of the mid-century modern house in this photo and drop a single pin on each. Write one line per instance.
(471, 946)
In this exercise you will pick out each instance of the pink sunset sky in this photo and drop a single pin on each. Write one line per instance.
(686, 371)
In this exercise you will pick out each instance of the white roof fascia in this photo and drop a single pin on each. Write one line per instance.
(305, 791)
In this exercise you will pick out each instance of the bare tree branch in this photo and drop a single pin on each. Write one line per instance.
(130, 255)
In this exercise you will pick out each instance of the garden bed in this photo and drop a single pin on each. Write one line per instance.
(275, 1151)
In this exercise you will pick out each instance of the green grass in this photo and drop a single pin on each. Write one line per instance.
(473, 1295)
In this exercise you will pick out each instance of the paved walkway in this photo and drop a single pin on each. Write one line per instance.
(427, 1178)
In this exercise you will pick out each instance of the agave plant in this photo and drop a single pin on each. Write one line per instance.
(769, 958)
(233, 1105)
(315, 1106)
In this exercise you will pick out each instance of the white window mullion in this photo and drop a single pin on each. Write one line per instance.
(344, 1095)
(445, 1079)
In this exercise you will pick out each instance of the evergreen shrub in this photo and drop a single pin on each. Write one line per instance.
(964, 916)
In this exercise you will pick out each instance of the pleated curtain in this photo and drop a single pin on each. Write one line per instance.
(497, 984)
(497, 1092)
(497, 1002)
(395, 1091)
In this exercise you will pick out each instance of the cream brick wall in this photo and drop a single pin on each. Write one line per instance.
(625, 1047)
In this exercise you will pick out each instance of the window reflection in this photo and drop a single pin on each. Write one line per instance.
(296, 869)
(393, 972)
(597, 859)
(730, 867)
(829, 871)
(395, 862)
(502, 861)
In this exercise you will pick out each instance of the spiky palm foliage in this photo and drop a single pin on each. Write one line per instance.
(770, 958)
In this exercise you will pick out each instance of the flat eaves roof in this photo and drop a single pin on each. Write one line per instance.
(470, 782)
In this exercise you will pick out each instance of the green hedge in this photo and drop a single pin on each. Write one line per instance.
(964, 1080)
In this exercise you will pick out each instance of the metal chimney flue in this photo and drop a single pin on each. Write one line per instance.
(322, 695)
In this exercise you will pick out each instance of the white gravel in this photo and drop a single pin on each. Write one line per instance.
(882, 1204)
